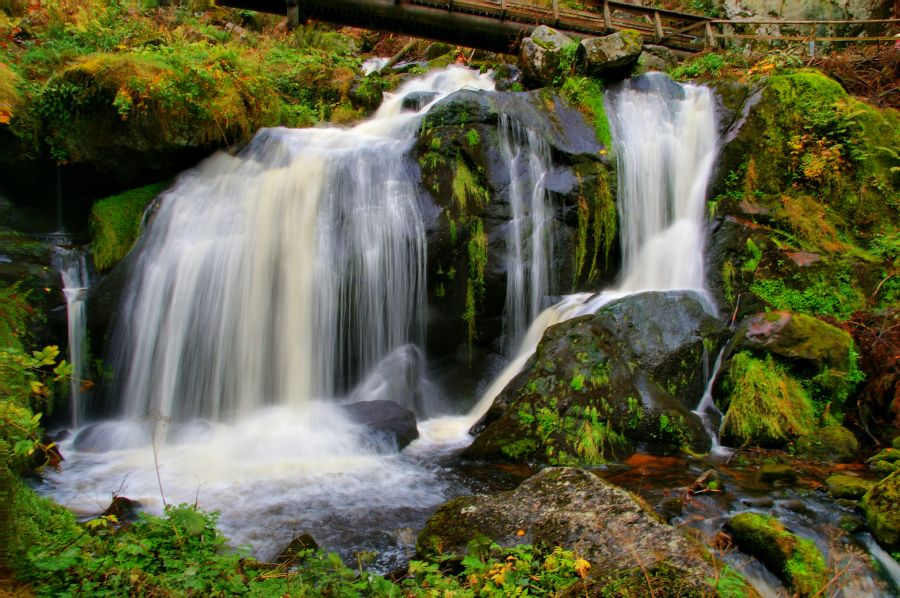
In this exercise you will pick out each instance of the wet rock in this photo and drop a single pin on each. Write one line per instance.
(540, 55)
(386, 418)
(611, 55)
(670, 507)
(597, 385)
(123, 509)
(656, 58)
(763, 502)
(507, 77)
(847, 486)
(885, 462)
(367, 92)
(896, 443)
(301, 543)
(795, 560)
(577, 510)
(851, 523)
(708, 480)
(796, 505)
(832, 443)
(881, 505)
(417, 100)
(777, 472)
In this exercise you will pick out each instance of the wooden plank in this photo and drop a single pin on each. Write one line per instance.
(555, 12)
(802, 38)
(684, 30)
(770, 22)
(607, 18)
(709, 38)
(657, 22)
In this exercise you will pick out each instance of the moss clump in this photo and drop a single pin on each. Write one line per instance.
(882, 507)
(596, 229)
(116, 224)
(766, 405)
(847, 486)
(587, 94)
(795, 560)
(9, 94)
(832, 443)
(466, 187)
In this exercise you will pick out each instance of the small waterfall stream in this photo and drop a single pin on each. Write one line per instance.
(72, 266)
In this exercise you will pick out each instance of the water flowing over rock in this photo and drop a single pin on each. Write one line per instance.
(610, 528)
(598, 385)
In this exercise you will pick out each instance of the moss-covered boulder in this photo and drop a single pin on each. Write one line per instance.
(795, 560)
(882, 507)
(805, 205)
(607, 526)
(797, 337)
(847, 486)
(116, 224)
(885, 462)
(763, 403)
(599, 385)
(541, 55)
(831, 443)
(614, 54)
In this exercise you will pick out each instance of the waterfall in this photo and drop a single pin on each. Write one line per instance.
(286, 272)
(664, 137)
(529, 237)
(72, 266)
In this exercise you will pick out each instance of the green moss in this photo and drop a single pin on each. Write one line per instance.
(116, 223)
(596, 224)
(466, 187)
(765, 404)
(880, 504)
(816, 294)
(472, 137)
(795, 560)
(587, 94)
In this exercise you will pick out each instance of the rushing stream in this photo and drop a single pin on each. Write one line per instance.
(272, 285)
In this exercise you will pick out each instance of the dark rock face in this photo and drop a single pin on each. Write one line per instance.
(466, 196)
(598, 385)
(386, 418)
(574, 509)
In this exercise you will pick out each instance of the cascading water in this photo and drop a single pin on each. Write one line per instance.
(665, 139)
(291, 272)
(72, 266)
(529, 246)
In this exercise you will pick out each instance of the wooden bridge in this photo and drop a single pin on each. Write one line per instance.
(499, 25)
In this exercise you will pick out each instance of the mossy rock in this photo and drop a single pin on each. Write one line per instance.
(598, 385)
(116, 224)
(795, 560)
(885, 462)
(764, 404)
(832, 443)
(881, 505)
(797, 337)
(847, 486)
(777, 472)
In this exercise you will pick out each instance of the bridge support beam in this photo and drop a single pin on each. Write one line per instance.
(293, 14)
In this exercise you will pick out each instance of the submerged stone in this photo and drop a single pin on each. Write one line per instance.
(777, 472)
(386, 418)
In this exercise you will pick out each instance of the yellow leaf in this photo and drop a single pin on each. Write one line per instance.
(5, 115)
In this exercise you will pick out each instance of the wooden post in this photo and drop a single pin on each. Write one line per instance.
(555, 13)
(657, 23)
(607, 17)
(293, 13)
(502, 9)
(708, 38)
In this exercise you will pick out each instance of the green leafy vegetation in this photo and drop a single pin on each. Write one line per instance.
(116, 223)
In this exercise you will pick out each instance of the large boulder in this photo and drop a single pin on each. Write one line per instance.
(600, 384)
(541, 55)
(797, 337)
(467, 201)
(882, 507)
(606, 525)
(614, 54)
(386, 419)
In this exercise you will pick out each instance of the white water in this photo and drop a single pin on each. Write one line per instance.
(72, 266)
(291, 272)
(665, 149)
(529, 238)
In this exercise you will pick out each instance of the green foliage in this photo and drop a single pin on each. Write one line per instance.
(116, 223)
(467, 187)
(587, 94)
(473, 137)
(596, 229)
(704, 65)
(819, 295)
(765, 404)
